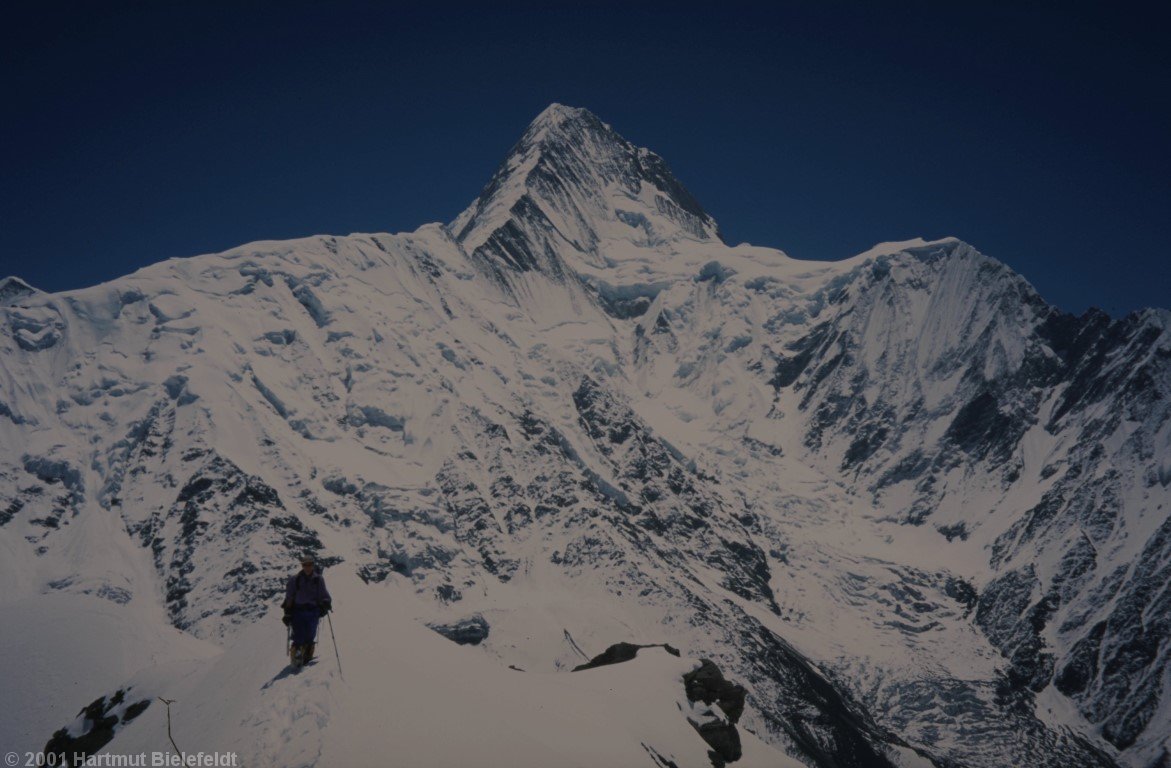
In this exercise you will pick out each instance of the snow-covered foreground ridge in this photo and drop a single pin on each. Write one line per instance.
(922, 516)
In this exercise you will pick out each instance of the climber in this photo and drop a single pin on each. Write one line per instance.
(306, 601)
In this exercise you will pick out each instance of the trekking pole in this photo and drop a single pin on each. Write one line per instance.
(169, 702)
(335, 653)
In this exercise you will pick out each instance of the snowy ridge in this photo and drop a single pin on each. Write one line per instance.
(918, 513)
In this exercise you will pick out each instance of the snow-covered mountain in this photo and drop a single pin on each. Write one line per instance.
(920, 515)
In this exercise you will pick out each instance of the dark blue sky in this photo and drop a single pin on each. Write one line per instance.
(1039, 133)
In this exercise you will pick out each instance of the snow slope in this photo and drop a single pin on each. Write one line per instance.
(409, 700)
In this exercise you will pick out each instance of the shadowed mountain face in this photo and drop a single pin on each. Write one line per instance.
(583, 177)
(922, 516)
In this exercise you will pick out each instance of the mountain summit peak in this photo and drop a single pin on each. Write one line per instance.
(573, 176)
(555, 114)
(559, 124)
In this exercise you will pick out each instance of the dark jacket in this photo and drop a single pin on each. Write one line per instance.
(302, 590)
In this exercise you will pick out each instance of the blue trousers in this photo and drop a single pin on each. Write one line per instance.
(304, 624)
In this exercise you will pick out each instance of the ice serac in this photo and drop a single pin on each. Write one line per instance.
(576, 201)
(920, 515)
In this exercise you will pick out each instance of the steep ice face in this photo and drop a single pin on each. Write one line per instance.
(934, 382)
(574, 200)
(584, 178)
(912, 508)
